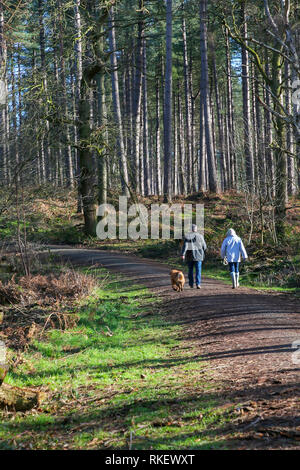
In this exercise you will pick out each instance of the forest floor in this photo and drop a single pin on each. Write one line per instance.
(138, 365)
(222, 371)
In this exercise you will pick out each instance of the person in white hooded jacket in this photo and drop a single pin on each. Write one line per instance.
(232, 249)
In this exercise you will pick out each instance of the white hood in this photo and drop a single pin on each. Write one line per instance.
(231, 233)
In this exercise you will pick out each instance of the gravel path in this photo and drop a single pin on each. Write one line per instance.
(244, 335)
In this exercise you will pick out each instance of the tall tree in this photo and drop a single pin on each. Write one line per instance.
(188, 111)
(204, 86)
(93, 65)
(117, 105)
(168, 106)
(246, 102)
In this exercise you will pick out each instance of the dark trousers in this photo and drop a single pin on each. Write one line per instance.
(234, 267)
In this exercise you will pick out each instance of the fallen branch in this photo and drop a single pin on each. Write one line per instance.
(19, 399)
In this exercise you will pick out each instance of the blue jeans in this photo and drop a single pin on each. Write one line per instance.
(234, 267)
(198, 265)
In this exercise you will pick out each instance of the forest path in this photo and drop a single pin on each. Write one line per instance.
(244, 336)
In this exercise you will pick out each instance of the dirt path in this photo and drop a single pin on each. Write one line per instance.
(246, 338)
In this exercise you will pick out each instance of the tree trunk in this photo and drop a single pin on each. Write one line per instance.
(147, 182)
(102, 163)
(168, 107)
(212, 173)
(279, 152)
(3, 104)
(64, 102)
(202, 148)
(78, 77)
(16, 150)
(187, 92)
(182, 159)
(157, 141)
(230, 118)
(220, 124)
(91, 68)
(137, 99)
(260, 138)
(44, 140)
(117, 105)
(175, 166)
(291, 180)
(246, 104)
(268, 135)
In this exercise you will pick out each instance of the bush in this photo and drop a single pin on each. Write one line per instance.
(41, 288)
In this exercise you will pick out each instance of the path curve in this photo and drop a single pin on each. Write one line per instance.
(244, 335)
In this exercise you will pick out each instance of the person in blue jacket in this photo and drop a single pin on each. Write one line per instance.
(232, 250)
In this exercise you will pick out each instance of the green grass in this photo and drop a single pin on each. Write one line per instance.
(249, 277)
(54, 230)
(121, 371)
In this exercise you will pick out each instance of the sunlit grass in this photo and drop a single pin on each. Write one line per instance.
(119, 371)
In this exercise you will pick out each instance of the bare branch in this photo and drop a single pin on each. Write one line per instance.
(273, 49)
(287, 119)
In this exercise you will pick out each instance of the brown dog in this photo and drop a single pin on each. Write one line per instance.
(177, 279)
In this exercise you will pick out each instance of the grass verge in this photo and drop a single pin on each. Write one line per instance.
(121, 378)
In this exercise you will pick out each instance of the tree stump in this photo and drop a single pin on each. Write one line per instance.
(19, 399)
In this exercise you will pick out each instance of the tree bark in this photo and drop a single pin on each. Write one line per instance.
(91, 68)
(117, 105)
(102, 160)
(137, 99)
(212, 173)
(246, 104)
(3, 106)
(44, 140)
(279, 152)
(158, 140)
(202, 148)
(78, 78)
(291, 179)
(168, 107)
(224, 172)
(230, 118)
(147, 182)
(182, 158)
(188, 111)
(64, 101)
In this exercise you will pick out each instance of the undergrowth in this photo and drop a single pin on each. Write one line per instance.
(120, 378)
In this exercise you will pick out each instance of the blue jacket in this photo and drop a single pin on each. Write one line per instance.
(233, 248)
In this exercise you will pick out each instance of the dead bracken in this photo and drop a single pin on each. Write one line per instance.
(39, 302)
(42, 288)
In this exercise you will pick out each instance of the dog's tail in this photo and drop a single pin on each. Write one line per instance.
(180, 276)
